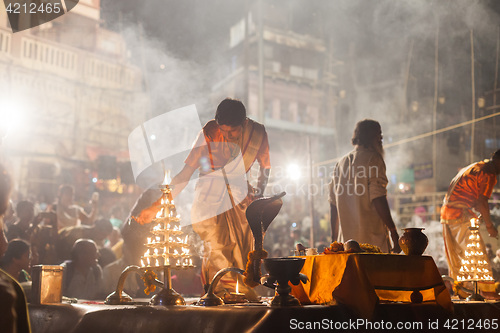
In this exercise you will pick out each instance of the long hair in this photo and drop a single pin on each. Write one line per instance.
(365, 132)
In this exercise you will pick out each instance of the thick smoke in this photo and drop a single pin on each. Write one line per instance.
(387, 48)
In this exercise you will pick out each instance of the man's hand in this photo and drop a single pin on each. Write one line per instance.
(382, 208)
(395, 240)
(492, 231)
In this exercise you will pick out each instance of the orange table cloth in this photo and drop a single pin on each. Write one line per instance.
(360, 280)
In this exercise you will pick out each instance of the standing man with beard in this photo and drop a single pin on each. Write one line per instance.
(358, 194)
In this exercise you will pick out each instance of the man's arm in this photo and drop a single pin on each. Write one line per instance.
(382, 208)
(262, 182)
(89, 219)
(483, 207)
(334, 222)
(180, 180)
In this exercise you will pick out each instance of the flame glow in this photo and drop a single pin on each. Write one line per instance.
(167, 179)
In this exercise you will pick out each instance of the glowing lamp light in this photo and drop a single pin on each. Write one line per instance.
(12, 113)
(293, 172)
(474, 267)
(167, 178)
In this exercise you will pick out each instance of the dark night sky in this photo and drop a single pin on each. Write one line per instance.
(189, 27)
(376, 34)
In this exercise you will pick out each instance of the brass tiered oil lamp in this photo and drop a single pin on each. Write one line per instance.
(475, 267)
(167, 249)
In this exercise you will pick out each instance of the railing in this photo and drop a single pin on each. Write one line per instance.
(424, 206)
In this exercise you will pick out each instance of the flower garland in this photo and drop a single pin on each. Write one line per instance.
(148, 278)
(370, 248)
(250, 272)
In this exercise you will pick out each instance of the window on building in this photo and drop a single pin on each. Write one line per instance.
(276, 66)
(285, 111)
(268, 51)
(310, 73)
(296, 71)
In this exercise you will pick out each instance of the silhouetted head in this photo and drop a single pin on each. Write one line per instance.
(84, 252)
(102, 229)
(25, 210)
(18, 252)
(368, 134)
(230, 112)
(230, 116)
(66, 194)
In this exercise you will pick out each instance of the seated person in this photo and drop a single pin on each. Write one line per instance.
(44, 239)
(13, 310)
(16, 260)
(98, 232)
(82, 277)
(25, 211)
(68, 213)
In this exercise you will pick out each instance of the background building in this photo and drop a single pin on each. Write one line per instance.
(68, 104)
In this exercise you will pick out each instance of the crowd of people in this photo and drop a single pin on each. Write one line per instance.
(92, 247)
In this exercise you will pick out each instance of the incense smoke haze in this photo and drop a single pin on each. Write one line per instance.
(387, 49)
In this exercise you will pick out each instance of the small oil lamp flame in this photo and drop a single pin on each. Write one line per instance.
(167, 179)
(235, 297)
